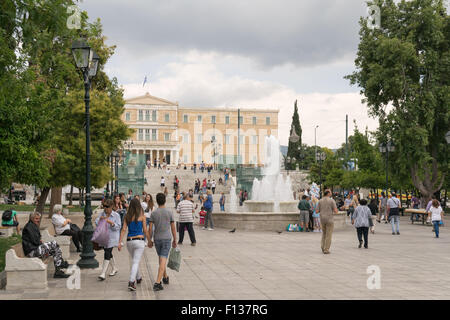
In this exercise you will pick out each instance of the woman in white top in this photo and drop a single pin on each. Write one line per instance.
(148, 206)
(437, 215)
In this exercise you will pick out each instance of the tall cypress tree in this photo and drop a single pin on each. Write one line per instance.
(294, 147)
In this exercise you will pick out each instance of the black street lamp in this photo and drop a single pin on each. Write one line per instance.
(116, 164)
(87, 61)
(320, 156)
(107, 184)
(386, 148)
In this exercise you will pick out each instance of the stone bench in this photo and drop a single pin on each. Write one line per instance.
(6, 232)
(63, 241)
(23, 272)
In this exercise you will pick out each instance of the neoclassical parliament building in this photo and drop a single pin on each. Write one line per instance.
(182, 135)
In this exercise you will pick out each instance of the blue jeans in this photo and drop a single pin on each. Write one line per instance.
(395, 220)
(222, 207)
(436, 228)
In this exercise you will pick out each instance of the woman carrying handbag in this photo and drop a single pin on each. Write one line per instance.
(113, 223)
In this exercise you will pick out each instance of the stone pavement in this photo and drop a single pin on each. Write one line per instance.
(268, 265)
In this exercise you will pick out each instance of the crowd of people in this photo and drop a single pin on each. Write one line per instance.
(317, 215)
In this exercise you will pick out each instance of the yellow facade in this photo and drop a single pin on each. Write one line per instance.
(191, 135)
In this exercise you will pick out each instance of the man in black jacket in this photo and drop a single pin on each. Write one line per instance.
(34, 247)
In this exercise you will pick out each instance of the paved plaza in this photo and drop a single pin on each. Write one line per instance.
(268, 265)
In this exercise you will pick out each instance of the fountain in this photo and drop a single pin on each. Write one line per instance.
(273, 193)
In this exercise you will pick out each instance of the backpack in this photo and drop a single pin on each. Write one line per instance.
(7, 215)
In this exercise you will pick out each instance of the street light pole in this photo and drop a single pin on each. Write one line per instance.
(321, 157)
(386, 148)
(315, 142)
(87, 61)
(116, 160)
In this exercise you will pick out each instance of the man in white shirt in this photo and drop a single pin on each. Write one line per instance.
(213, 186)
(186, 211)
(65, 227)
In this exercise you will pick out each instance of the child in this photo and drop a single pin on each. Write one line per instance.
(315, 215)
(202, 215)
(165, 233)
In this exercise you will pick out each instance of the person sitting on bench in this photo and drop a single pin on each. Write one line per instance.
(65, 227)
(9, 219)
(34, 247)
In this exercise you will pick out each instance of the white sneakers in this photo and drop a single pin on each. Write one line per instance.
(114, 269)
(210, 229)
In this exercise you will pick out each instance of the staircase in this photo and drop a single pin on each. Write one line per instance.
(186, 181)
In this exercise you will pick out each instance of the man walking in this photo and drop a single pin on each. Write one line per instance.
(162, 219)
(393, 205)
(186, 210)
(326, 207)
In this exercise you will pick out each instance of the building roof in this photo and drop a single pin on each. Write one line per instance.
(230, 109)
(150, 100)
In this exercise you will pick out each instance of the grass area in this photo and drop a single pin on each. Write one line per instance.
(5, 245)
(27, 207)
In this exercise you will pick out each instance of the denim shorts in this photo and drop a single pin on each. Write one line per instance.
(163, 247)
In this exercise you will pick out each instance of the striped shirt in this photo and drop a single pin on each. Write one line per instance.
(185, 209)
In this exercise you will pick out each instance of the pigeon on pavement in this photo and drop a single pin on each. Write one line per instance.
(232, 231)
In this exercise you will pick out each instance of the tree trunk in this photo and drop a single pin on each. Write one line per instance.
(56, 194)
(42, 200)
(70, 195)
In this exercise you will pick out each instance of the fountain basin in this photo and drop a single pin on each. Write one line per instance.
(269, 206)
(268, 221)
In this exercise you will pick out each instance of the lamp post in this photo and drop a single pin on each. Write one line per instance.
(386, 148)
(287, 164)
(107, 184)
(321, 156)
(116, 166)
(87, 61)
(315, 142)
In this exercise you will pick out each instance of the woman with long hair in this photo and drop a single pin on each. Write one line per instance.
(137, 229)
(148, 206)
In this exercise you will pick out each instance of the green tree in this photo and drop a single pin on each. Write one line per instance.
(402, 69)
(294, 148)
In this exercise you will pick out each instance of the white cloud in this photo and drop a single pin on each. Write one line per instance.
(197, 82)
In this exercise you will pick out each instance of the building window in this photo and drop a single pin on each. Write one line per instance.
(227, 119)
(255, 160)
(154, 137)
(154, 115)
(254, 121)
(241, 120)
(227, 139)
(254, 139)
(147, 115)
(141, 115)
(268, 121)
(213, 119)
(185, 158)
(199, 158)
(241, 140)
(199, 138)
(185, 118)
(199, 118)
(141, 134)
(147, 134)
(166, 136)
(186, 138)
(127, 116)
(166, 117)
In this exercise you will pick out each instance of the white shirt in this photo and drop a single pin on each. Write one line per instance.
(58, 221)
(436, 213)
(213, 184)
(163, 181)
(393, 202)
(144, 206)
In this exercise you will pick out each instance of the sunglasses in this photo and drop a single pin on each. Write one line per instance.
(106, 207)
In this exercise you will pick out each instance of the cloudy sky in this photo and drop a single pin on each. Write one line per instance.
(242, 53)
